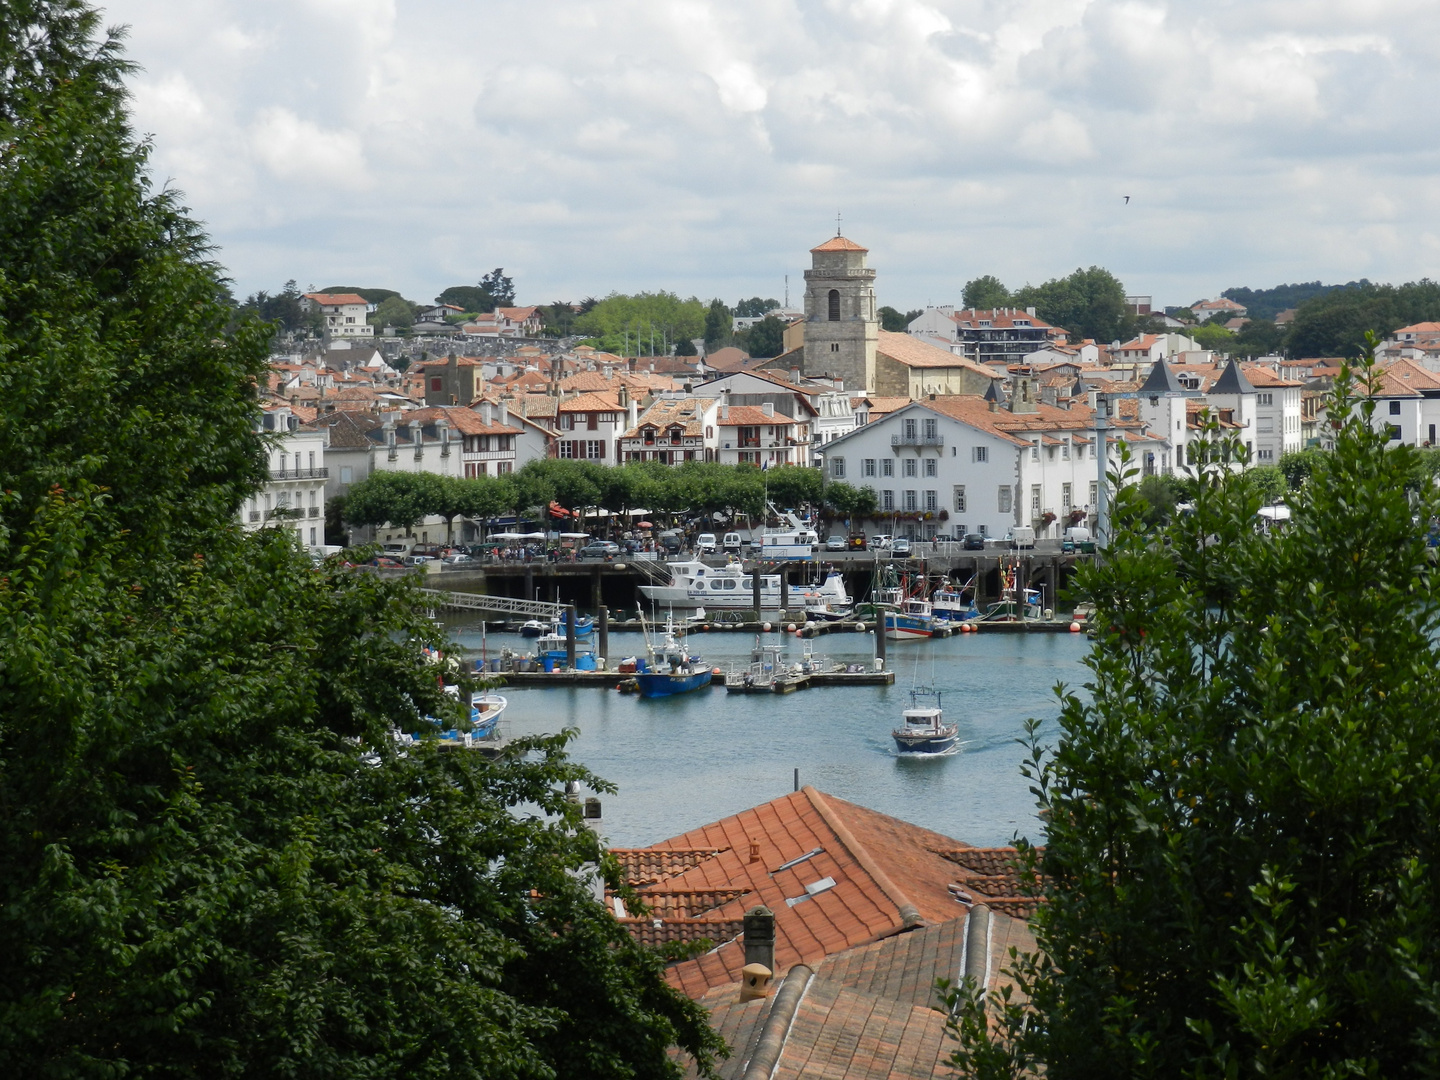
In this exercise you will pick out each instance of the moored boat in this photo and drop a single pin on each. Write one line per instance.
(922, 727)
(695, 584)
(911, 619)
(669, 669)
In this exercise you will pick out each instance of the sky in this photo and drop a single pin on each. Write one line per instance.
(704, 146)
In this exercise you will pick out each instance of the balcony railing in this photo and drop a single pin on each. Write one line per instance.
(299, 474)
(917, 440)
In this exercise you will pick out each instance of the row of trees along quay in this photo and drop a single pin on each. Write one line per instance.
(692, 488)
(214, 858)
(1239, 872)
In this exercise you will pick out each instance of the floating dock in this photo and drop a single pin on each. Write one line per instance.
(609, 680)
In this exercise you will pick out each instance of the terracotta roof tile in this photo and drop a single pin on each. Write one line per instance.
(839, 243)
(912, 352)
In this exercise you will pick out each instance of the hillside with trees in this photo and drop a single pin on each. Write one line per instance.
(216, 858)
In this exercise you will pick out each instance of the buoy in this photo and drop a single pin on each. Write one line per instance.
(1074, 628)
(790, 627)
(765, 627)
(706, 628)
(715, 671)
(860, 626)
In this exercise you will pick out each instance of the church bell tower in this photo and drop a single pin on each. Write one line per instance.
(841, 326)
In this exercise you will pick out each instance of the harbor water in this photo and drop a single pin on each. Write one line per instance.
(683, 761)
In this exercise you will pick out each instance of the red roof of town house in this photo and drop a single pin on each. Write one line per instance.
(594, 402)
(332, 299)
(464, 420)
(751, 416)
(839, 243)
(836, 875)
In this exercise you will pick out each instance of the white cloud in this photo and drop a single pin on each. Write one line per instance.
(705, 145)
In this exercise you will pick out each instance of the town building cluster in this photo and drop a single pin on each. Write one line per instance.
(970, 421)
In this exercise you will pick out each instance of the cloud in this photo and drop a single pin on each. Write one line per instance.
(705, 145)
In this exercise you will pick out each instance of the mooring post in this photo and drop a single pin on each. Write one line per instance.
(604, 631)
(570, 637)
(755, 588)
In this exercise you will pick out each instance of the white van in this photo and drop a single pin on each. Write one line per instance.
(1078, 533)
(705, 544)
(1022, 536)
(731, 543)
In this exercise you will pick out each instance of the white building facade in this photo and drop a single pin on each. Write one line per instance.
(293, 496)
(345, 314)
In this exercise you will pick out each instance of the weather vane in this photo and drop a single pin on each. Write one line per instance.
(837, 222)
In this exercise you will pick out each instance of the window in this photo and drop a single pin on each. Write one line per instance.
(1065, 497)
(1035, 499)
(911, 503)
(907, 466)
(1265, 399)
(1094, 492)
(837, 468)
(910, 431)
(932, 431)
(867, 467)
(437, 384)
(594, 449)
(932, 500)
(1065, 450)
(1264, 425)
(567, 422)
(347, 474)
(504, 467)
(592, 421)
(979, 454)
(834, 305)
(1394, 408)
(960, 499)
(1004, 504)
(887, 500)
(887, 466)
(1266, 455)
(834, 346)
(1393, 432)
(932, 466)
(1035, 451)
(567, 449)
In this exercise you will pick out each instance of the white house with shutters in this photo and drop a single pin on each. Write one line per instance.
(980, 464)
(293, 495)
(345, 314)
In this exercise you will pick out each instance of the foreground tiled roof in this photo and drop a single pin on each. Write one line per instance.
(646, 866)
(836, 875)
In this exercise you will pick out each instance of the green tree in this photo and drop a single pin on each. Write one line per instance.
(215, 858)
(1297, 465)
(1089, 304)
(986, 291)
(792, 486)
(1269, 483)
(766, 338)
(393, 498)
(629, 323)
(685, 347)
(1259, 337)
(287, 308)
(755, 308)
(1242, 808)
(1335, 324)
(494, 290)
(893, 320)
(1212, 336)
(393, 311)
(717, 324)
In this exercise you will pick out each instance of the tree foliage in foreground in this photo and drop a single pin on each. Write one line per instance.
(1242, 811)
(215, 860)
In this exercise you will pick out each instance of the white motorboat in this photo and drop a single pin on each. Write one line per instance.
(694, 584)
(922, 728)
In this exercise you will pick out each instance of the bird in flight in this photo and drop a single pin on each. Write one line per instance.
(1127, 199)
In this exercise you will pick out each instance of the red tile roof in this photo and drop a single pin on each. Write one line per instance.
(887, 876)
(751, 416)
(838, 243)
(336, 298)
(912, 352)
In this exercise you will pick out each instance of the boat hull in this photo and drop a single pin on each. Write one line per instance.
(653, 685)
(903, 627)
(925, 744)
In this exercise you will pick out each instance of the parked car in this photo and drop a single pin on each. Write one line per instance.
(384, 562)
(900, 546)
(1021, 536)
(1067, 546)
(706, 544)
(671, 541)
(418, 560)
(856, 541)
(880, 542)
(732, 543)
(835, 542)
(456, 559)
(600, 549)
(974, 541)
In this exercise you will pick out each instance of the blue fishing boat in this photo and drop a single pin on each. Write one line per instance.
(669, 670)
(911, 619)
(922, 727)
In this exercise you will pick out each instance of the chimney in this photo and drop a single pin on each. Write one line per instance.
(768, 409)
(724, 413)
(487, 413)
(624, 396)
(754, 850)
(759, 953)
(504, 414)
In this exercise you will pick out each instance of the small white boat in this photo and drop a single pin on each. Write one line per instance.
(922, 728)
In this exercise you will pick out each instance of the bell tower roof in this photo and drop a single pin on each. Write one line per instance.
(838, 243)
